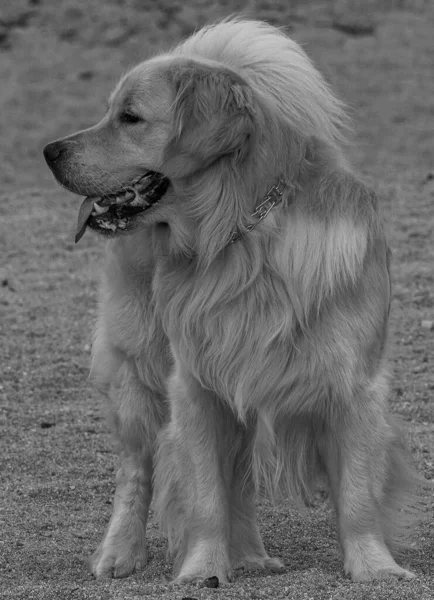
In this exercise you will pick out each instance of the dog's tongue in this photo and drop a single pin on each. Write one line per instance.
(86, 209)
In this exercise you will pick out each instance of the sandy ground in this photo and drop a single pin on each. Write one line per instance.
(58, 61)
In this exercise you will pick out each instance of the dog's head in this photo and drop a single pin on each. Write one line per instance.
(168, 119)
(197, 138)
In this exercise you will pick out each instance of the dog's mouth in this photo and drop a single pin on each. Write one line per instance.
(114, 213)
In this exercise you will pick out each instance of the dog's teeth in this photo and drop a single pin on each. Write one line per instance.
(99, 210)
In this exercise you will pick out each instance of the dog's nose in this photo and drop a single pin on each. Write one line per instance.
(52, 151)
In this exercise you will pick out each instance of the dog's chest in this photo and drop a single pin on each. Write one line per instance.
(129, 320)
(228, 341)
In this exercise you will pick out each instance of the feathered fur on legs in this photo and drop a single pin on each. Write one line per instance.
(193, 471)
(372, 486)
(123, 548)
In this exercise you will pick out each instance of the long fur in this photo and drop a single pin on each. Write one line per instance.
(276, 370)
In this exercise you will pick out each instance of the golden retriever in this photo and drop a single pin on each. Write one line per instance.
(244, 307)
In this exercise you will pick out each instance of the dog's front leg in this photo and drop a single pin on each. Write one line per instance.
(138, 415)
(193, 471)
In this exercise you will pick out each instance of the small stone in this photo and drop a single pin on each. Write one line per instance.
(7, 280)
(211, 582)
(86, 75)
(428, 325)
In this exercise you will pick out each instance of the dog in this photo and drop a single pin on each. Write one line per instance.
(241, 336)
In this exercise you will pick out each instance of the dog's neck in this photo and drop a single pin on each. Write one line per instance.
(272, 198)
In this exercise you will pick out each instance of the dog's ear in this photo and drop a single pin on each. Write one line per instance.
(213, 115)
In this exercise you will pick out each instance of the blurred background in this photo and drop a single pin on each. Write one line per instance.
(59, 60)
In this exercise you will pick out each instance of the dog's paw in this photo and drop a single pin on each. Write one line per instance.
(366, 559)
(249, 563)
(199, 567)
(390, 572)
(110, 561)
(274, 564)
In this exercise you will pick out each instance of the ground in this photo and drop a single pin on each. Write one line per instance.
(58, 61)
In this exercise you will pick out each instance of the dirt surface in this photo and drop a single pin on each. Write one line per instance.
(59, 60)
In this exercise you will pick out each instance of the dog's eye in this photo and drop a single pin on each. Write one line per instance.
(130, 118)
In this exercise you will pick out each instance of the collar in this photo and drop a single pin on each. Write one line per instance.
(271, 199)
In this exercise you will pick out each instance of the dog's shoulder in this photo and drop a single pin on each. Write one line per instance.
(342, 193)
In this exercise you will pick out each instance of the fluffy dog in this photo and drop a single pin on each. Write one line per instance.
(244, 306)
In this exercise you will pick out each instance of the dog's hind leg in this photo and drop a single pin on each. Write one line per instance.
(371, 484)
(246, 548)
(138, 415)
(195, 456)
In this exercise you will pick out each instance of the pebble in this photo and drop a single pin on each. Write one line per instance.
(211, 582)
(7, 280)
(428, 325)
